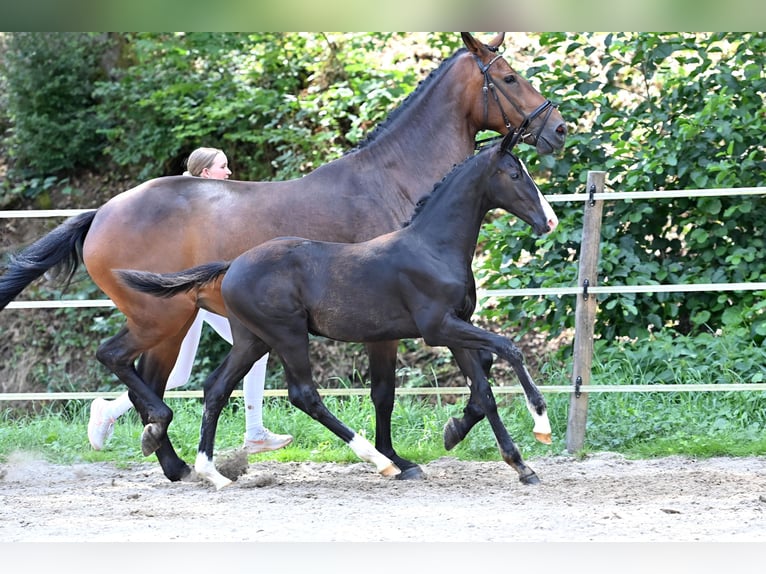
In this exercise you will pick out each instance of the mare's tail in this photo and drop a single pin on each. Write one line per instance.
(61, 248)
(170, 284)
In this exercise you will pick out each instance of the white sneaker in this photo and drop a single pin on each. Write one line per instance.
(100, 425)
(266, 441)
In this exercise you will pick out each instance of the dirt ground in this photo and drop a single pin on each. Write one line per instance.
(604, 497)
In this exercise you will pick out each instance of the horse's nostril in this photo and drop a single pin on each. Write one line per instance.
(561, 129)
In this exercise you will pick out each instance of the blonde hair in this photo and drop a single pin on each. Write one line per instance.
(201, 158)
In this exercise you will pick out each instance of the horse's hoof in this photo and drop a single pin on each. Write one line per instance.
(452, 435)
(412, 473)
(150, 439)
(529, 478)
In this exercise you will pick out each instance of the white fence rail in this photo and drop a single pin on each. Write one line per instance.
(578, 406)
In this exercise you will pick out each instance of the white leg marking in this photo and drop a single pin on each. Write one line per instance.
(206, 469)
(542, 428)
(364, 450)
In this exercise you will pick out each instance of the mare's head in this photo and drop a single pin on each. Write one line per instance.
(512, 188)
(505, 101)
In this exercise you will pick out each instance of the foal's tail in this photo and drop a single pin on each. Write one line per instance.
(170, 284)
(60, 249)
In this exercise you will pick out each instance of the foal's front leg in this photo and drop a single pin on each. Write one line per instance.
(481, 393)
(382, 357)
(453, 332)
(457, 429)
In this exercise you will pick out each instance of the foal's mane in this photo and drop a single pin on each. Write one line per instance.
(414, 95)
(444, 182)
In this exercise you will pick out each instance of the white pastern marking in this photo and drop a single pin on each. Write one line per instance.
(364, 450)
(206, 469)
(542, 424)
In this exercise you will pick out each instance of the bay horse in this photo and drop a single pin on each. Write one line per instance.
(176, 222)
(410, 283)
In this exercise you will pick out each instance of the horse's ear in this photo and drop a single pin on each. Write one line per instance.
(477, 48)
(497, 41)
(473, 45)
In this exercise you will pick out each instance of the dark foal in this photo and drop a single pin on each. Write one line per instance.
(414, 282)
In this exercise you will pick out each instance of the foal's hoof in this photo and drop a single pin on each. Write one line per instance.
(544, 438)
(452, 434)
(411, 473)
(150, 439)
(530, 478)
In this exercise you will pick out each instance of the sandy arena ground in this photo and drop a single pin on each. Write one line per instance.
(602, 498)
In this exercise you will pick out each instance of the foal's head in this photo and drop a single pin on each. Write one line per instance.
(513, 189)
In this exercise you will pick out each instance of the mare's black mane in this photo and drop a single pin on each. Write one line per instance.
(415, 94)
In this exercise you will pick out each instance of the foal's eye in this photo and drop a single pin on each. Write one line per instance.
(509, 79)
(515, 175)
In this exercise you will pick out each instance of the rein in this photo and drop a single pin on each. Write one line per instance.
(489, 87)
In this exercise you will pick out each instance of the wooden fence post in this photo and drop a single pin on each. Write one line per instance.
(585, 314)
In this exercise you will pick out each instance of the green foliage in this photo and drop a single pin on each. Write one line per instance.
(279, 104)
(655, 111)
(50, 79)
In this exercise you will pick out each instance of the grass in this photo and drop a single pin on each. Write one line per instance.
(639, 425)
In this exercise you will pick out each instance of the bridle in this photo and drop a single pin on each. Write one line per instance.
(489, 87)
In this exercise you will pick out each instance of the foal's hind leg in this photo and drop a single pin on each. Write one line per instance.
(482, 393)
(292, 347)
(247, 349)
(383, 393)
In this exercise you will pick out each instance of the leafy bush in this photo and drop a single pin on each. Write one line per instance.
(50, 79)
(279, 104)
(655, 111)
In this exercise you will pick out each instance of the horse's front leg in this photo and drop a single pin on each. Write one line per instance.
(481, 392)
(383, 393)
(118, 354)
(217, 390)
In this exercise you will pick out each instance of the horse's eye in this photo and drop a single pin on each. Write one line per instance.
(515, 175)
(509, 79)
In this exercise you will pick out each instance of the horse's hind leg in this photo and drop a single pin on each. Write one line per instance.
(118, 354)
(456, 429)
(383, 393)
(481, 392)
